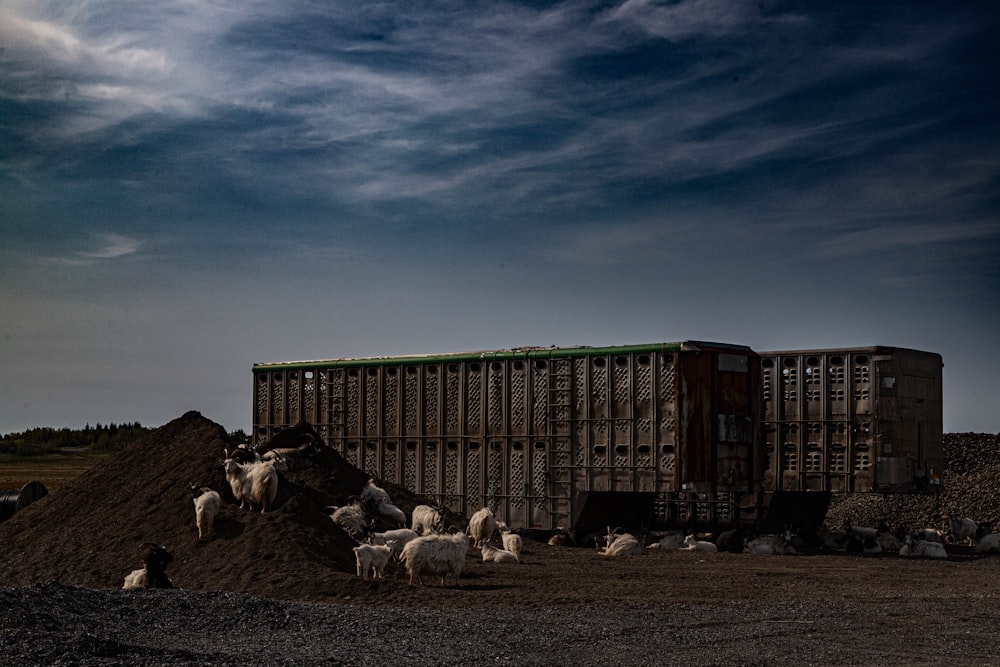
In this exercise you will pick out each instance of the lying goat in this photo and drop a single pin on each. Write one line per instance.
(153, 574)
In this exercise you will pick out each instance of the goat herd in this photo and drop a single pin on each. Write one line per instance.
(427, 548)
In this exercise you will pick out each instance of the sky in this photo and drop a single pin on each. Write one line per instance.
(191, 187)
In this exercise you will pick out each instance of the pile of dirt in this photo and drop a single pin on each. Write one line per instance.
(87, 534)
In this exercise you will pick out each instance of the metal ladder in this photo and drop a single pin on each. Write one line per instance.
(558, 430)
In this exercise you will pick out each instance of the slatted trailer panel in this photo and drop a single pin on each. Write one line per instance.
(852, 420)
(529, 431)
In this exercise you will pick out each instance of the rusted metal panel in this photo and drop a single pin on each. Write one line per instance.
(696, 443)
(736, 412)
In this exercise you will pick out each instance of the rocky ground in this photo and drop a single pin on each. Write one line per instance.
(279, 588)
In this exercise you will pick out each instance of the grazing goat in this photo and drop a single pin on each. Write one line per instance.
(376, 501)
(963, 531)
(399, 537)
(482, 525)
(440, 555)
(153, 574)
(694, 544)
(372, 558)
(206, 507)
(922, 548)
(492, 554)
(350, 517)
(620, 544)
(252, 483)
(426, 520)
(512, 542)
(989, 543)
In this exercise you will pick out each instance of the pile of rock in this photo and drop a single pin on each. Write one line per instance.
(971, 487)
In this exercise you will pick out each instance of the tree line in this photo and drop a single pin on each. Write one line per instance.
(98, 438)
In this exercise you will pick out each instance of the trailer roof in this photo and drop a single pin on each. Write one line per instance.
(871, 349)
(512, 353)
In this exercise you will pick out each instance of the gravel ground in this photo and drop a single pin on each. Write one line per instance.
(692, 609)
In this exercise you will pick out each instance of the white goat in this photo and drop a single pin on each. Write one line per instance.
(759, 548)
(862, 533)
(252, 483)
(928, 535)
(399, 537)
(290, 458)
(962, 530)
(922, 549)
(560, 538)
(988, 543)
(376, 500)
(694, 544)
(242, 454)
(372, 558)
(206, 507)
(440, 555)
(153, 574)
(512, 542)
(771, 545)
(135, 579)
(620, 544)
(350, 517)
(426, 520)
(889, 541)
(672, 540)
(766, 545)
(482, 525)
(492, 554)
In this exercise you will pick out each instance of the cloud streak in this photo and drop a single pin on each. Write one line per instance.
(112, 246)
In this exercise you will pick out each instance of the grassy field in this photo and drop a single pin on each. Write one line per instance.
(52, 470)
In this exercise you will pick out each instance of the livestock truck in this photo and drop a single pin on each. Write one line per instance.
(647, 436)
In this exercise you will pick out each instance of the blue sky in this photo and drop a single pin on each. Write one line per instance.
(190, 187)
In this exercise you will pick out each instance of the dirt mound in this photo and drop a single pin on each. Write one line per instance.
(87, 533)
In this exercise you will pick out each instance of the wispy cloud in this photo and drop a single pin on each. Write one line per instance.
(881, 238)
(110, 246)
